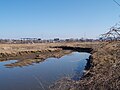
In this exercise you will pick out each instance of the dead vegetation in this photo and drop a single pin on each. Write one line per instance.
(105, 73)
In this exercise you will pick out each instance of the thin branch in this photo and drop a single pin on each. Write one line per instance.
(116, 2)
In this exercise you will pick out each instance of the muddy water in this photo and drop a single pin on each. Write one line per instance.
(40, 76)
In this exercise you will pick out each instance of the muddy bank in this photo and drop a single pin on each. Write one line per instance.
(36, 57)
(75, 48)
(103, 73)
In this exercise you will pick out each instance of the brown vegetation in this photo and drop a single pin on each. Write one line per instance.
(104, 73)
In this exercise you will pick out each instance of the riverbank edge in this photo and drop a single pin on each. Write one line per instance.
(103, 73)
(26, 58)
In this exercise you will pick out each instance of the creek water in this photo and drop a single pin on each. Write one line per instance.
(39, 76)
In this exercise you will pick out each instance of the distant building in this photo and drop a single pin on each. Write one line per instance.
(56, 39)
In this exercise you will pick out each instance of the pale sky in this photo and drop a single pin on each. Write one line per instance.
(57, 18)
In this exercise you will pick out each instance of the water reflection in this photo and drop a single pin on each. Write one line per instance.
(80, 67)
(40, 76)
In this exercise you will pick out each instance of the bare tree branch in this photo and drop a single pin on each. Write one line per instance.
(116, 2)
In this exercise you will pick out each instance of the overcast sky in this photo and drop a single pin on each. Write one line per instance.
(57, 18)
